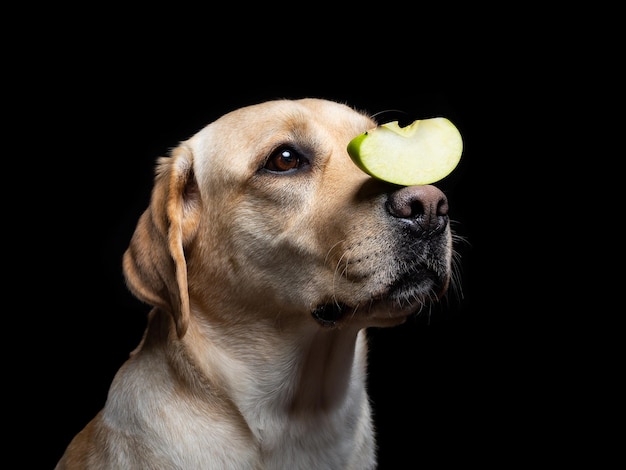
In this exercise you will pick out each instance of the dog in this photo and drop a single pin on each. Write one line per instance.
(265, 254)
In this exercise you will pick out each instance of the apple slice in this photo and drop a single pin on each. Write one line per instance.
(421, 153)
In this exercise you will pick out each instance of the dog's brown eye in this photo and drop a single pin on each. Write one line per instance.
(283, 159)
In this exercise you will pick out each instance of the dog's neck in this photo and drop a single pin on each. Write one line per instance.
(308, 370)
(327, 369)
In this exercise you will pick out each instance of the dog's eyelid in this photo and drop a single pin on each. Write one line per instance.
(285, 158)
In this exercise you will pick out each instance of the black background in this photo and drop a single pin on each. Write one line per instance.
(449, 387)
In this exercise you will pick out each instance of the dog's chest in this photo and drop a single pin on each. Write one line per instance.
(327, 443)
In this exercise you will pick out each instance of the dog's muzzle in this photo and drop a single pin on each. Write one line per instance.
(420, 217)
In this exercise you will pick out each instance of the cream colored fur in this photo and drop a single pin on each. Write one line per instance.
(234, 254)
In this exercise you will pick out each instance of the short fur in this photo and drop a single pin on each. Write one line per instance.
(265, 253)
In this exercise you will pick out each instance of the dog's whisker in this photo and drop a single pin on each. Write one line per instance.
(330, 250)
(337, 274)
(456, 286)
(455, 277)
(342, 266)
(354, 310)
(388, 111)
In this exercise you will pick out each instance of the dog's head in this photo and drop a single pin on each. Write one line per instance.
(262, 214)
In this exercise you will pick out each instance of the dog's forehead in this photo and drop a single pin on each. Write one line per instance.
(294, 112)
(239, 136)
(252, 124)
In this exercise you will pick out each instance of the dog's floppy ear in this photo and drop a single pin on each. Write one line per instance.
(154, 264)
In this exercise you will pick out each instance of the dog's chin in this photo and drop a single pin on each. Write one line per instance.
(375, 313)
(390, 308)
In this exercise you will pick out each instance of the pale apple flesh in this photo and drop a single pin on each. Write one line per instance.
(423, 152)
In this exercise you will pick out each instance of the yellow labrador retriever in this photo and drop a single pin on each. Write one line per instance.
(265, 253)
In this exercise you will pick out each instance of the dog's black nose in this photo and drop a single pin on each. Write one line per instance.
(426, 207)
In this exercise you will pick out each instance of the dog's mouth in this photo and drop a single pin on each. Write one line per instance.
(329, 314)
(392, 306)
(377, 312)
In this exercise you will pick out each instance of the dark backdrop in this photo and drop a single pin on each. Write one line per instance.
(444, 386)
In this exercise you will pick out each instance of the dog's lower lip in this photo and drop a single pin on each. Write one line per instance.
(328, 314)
(380, 307)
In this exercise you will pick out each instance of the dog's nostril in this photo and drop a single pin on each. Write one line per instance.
(424, 204)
